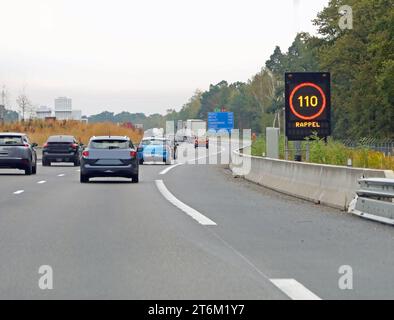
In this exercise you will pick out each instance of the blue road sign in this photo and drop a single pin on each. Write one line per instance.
(220, 120)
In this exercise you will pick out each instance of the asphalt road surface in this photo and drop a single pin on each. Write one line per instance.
(192, 232)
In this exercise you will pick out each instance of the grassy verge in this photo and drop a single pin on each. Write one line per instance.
(333, 152)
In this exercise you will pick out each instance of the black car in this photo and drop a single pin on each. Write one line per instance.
(61, 149)
(17, 152)
(109, 156)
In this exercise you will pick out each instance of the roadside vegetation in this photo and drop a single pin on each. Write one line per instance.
(333, 152)
(39, 130)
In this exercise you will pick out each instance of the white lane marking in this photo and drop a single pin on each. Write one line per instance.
(19, 191)
(41, 182)
(61, 175)
(169, 168)
(200, 218)
(294, 289)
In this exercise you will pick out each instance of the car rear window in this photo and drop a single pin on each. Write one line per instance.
(109, 144)
(10, 140)
(157, 142)
(60, 139)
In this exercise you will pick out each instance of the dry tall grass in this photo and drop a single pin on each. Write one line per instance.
(39, 130)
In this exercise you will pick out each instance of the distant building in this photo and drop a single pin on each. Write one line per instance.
(43, 112)
(63, 104)
(76, 115)
(63, 108)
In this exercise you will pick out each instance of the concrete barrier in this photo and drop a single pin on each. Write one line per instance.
(330, 185)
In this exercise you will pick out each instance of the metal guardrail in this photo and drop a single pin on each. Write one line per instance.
(375, 200)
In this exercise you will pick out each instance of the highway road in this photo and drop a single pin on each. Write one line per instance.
(183, 232)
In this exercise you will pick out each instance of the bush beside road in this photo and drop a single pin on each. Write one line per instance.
(334, 153)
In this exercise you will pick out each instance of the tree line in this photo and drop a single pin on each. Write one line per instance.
(361, 63)
(360, 60)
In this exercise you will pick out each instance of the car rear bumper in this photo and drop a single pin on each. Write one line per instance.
(109, 171)
(13, 163)
(154, 157)
(60, 157)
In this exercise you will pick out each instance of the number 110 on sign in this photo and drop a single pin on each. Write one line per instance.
(310, 101)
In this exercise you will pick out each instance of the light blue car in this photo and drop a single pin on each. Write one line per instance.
(155, 149)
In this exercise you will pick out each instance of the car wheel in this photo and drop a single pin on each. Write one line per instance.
(29, 170)
(84, 178)
(134, 178)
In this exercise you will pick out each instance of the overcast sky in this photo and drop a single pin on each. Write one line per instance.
(140, 56)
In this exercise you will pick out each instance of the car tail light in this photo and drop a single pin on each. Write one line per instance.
(45, 145)
(85, 154)
(133, 154)
(26, 145)
(74, 146)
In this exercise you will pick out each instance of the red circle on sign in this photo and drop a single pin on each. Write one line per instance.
(307, 84)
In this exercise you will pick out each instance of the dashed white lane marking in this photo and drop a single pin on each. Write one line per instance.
(294, 289)
(170, 167)
(61, 175)
(19, 191)
(200, 218)
(41, 182)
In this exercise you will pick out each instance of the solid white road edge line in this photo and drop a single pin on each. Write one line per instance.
(294, 289)
(169, 168)
(19, 191)
(200, 218)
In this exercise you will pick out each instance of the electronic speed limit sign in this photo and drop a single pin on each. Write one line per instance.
(308, 104)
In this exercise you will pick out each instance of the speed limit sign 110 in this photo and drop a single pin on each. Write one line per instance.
(308, 104)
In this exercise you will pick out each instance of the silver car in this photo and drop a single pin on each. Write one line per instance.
(109, 156)
(16, 152)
